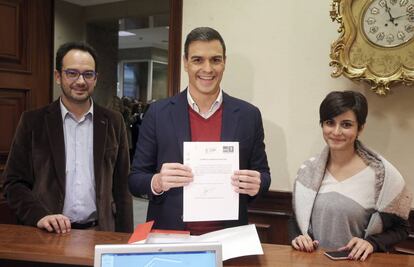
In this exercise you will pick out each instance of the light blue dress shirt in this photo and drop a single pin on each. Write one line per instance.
(80, 195)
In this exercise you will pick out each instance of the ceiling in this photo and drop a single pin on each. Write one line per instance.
(148, 36)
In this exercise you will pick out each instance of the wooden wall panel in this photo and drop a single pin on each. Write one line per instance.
(26, 56)
(14, 47)
(12, 105)
(271, 212)
(174, 46)
(9, 11)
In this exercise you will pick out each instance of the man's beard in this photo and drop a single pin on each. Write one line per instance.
(74, 98)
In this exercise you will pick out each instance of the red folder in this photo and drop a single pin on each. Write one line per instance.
(142, 231)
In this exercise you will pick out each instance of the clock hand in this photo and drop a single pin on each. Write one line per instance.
(400, 16)
(388, 10)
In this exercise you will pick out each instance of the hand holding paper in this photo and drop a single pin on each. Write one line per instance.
(246, 182)
(170, 176)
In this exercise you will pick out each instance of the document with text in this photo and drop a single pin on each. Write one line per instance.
(211, 197)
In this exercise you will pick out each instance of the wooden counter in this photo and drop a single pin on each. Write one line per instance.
(20, 245)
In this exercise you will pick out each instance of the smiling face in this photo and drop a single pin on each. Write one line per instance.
(205, 65)
(341, 132)
(76, 91)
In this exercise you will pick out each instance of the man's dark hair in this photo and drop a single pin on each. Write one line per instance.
(205, 34)
(66, 47)
(337, 102)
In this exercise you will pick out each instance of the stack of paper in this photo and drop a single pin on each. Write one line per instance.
(236, 241)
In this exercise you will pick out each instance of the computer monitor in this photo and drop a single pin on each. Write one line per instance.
(159, 255)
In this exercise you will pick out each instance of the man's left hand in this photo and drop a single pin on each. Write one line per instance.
(246, 182)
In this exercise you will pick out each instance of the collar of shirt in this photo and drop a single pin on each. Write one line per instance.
(214, 107)
(65, 112)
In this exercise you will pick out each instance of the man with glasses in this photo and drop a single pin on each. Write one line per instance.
(69, 162)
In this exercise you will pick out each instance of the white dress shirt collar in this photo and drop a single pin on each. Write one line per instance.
(65, 111)
(214, 107)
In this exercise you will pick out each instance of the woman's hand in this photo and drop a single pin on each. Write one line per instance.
(360, 249)
(305, 243)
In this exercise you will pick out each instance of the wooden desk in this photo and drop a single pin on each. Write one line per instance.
(285, 256)
(25, 243)
(29, 244)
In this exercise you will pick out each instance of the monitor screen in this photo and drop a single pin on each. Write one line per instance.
(160, 259)
(200, 254)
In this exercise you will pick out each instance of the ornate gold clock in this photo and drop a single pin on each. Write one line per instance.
(376, 42)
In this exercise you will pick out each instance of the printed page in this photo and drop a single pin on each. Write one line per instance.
(211, 197)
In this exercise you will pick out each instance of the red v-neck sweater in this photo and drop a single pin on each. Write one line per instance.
(205, 130)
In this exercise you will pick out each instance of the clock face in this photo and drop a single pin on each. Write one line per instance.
(389, 23)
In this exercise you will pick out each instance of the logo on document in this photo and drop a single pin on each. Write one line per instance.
(228, 149)
(209, 150)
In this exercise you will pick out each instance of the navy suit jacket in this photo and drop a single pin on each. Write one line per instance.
(164, 129)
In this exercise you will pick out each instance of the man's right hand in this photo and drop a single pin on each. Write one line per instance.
(55, 223)
(171, 175)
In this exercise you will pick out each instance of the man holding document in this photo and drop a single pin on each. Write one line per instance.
(204, 140)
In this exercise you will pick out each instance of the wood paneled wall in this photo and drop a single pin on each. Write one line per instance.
(271, 212)
(25, 63)
(26, 57)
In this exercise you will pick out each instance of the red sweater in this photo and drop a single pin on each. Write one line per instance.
(205, 130)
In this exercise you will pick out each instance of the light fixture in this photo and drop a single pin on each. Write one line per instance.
(125, 33)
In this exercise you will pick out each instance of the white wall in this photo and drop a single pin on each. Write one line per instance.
(277, 59)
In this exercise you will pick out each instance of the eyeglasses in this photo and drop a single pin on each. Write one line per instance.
(73, 75)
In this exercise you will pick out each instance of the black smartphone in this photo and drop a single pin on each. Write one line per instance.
(337, 255)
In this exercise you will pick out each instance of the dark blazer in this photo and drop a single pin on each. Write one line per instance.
(164, 129)
(35, 169)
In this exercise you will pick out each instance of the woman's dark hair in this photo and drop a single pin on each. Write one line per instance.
(205, 34)
(337, 102)
(66, 47)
